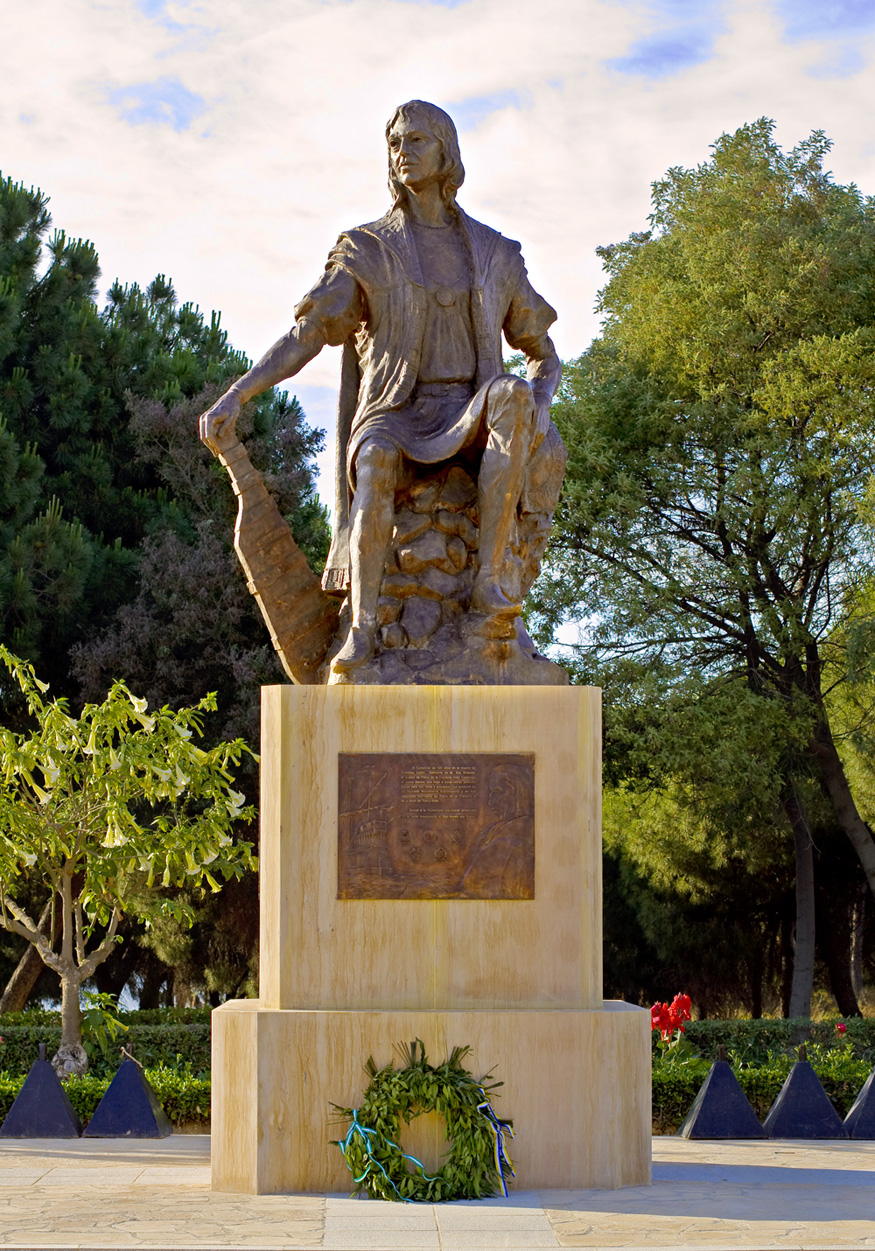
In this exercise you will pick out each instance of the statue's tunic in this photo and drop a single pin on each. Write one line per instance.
(406, 345)
(448, 354)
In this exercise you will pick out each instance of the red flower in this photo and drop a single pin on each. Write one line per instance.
(670, 1017)
(659, 1018)
(841, 1028)
(683, 1004)
(679, 1011)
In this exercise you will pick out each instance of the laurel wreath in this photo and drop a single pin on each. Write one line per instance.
(474, 1166)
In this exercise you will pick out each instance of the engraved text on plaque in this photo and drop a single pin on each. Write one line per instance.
(436, 825)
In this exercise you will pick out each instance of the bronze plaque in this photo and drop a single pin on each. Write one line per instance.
(436, 825)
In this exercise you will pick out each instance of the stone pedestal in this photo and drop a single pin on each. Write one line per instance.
(518, 979)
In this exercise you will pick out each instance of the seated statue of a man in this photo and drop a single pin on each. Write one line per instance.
(420, 299)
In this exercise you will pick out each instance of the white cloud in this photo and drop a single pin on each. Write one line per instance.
(226, 142)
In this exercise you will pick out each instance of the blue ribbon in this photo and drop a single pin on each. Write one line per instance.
(499, 1128)
(367, 1135)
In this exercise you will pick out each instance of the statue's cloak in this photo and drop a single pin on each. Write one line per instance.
(372, 300)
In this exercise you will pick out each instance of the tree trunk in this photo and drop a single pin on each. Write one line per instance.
(835, 899)
(786, 963)
(803, 947)
(835, 947)
(837, 788)
(181, 989)
(858, 921)
(26, 973)
(115, 972)
(71, 1013)
(756, 984)
(155, 974)
(70, 1058)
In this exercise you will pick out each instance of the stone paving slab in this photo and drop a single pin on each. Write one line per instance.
(167, 1175)
(154, 1195)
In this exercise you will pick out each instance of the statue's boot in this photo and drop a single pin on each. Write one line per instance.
(357, 649)
(500, 611)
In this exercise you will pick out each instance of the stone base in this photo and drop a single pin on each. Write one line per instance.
(460, 653)
(576, 1085)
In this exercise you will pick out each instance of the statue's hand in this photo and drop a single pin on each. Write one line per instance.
(542, 425)
(217, 423)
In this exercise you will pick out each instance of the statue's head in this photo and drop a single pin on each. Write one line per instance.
(435, 122)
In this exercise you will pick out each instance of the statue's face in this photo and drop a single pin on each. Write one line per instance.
(417, 157)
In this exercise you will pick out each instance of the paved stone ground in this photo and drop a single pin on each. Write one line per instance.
(109, 1195)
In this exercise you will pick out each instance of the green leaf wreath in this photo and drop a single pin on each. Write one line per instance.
(474, 1166)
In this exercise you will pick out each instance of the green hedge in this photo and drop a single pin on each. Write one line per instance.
(170, 1046)
(184, 1097)
(755, 1041)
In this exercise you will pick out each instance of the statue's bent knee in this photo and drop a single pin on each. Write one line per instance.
(510, 401)
(377, 463)
(509, 389)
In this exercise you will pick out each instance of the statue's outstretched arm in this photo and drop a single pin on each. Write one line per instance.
(289, 355)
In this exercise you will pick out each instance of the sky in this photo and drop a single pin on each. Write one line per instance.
(226, 143)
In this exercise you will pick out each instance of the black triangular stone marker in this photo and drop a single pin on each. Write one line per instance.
(129, 1109)
(41, 1109)
(802, 1108)
(721, 1108)
(860, 1121)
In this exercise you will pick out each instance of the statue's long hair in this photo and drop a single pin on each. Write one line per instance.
(441, 126)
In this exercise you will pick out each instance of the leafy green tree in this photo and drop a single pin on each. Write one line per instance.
(719, 437)
(110, 811)
(695, 825)
(700, 856)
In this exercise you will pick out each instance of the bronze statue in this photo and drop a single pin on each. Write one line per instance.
(439, 450)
